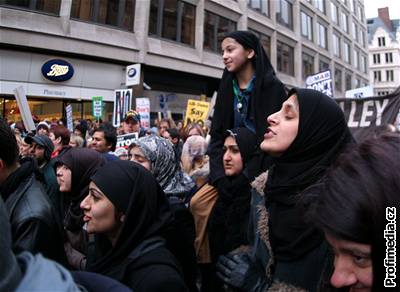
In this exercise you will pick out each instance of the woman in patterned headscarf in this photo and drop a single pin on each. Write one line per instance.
(157, 155)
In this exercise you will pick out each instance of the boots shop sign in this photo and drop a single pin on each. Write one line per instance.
(57, 70)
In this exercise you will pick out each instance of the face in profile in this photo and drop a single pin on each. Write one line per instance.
(99, 213)
(283, 128)
(64, 176)
(136, 155)
(234, 55)
(232, 159)
(353, 265)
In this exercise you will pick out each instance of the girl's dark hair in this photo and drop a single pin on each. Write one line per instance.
(354, 195)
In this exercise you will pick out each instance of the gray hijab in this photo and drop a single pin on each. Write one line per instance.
(10, 274)
(160, 153)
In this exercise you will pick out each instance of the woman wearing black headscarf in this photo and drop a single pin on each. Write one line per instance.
(305, 137)
(249, 91)
(128, 211)
(228, 223)
(74, 170)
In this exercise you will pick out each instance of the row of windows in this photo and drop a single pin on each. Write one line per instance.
(307, 30)
(389, 76)
(388, 58)
(338, 77)
(175, 20)
(308, 69)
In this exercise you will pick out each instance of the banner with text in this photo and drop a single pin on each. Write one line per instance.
(122, 104)
(143, 108)
(123, 141)
(97, 106)
(196, 112)
(363, 115)
(68, 111)
(321, 81)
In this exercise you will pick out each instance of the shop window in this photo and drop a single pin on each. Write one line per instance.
(118, 13)
(215, 27)
(174, 20)
(47, 6)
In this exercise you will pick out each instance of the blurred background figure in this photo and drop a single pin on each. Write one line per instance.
(76, 141)
(194, 159)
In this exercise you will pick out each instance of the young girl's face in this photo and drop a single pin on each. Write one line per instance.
(234, 55)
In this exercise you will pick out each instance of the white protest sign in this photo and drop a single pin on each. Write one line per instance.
(24, 109)
(68, 110)
(143, 108)
(123, 141)
(321, 81)
(361, 92)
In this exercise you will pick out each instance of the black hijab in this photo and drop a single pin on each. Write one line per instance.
(228, 222)
(266, 98)
(134, 191)
(83, 163)
(322, 136)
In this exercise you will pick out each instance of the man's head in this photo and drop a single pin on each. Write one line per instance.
(131, 122)
(104, 138)
(41, 148)
(8, 152)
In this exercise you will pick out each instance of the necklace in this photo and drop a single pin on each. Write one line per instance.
(239, 96)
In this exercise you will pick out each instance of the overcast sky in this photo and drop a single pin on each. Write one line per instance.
(371, 8)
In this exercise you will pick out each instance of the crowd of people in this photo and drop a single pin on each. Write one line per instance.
(276, 196)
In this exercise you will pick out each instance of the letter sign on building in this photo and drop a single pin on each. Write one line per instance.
(57, 70)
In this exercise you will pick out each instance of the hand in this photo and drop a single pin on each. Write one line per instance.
(239, 271)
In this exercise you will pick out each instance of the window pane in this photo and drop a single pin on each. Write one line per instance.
(348, 81)
(215, 27)
(169, 23)
(48, 6)
(261, 5)
(322, 40)
(338, 79)
(284, 13)
(175, 21)
(308, 65)
(306, 26)
(117, 13)
(285, 61)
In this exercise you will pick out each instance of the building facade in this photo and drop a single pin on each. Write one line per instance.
(176, 41)
(384, 52)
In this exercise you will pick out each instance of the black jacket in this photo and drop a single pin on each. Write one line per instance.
(33, 224)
